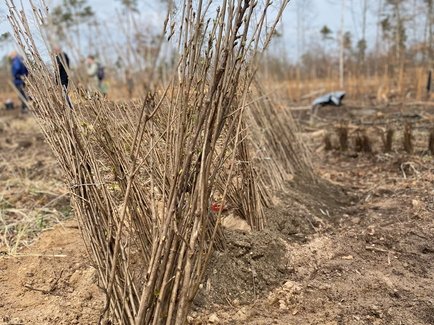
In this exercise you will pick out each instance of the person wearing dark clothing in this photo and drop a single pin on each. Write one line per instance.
(62, 61)
(19, 71)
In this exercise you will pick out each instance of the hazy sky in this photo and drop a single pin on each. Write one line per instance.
(318, 14)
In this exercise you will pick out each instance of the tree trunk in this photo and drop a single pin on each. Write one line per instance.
(341, 52)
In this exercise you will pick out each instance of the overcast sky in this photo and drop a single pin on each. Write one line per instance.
(319, 13)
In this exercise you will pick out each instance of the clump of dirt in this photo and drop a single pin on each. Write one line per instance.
(250, 265)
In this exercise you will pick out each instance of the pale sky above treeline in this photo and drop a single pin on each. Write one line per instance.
(317, 14)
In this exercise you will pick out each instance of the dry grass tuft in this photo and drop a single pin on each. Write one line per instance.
(342, 133)
(328, 145)
(407, 139)
(366, 143)
(358, 142)
(388, 140)
(32, 194)
(362, 142)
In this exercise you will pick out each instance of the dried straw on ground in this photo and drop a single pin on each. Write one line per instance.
(142, 178)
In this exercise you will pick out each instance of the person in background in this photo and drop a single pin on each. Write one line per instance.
(95, 73)
(19, 71)
(62, 61)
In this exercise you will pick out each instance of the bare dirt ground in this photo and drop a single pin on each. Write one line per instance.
(32, 194)
(357, 248)
(50, 282)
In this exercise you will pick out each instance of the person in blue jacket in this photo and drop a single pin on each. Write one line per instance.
(19, 71)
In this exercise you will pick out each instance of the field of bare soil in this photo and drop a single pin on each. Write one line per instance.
(357, 247)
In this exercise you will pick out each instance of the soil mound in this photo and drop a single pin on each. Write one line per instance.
(254, 263)
(250, 265)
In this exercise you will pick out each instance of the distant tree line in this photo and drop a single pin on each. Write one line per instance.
(403, 41)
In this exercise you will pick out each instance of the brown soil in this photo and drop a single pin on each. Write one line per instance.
(376, 267)
(50, 282)
(356, 248)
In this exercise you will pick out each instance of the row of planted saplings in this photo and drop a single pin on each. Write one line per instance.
(346, 138)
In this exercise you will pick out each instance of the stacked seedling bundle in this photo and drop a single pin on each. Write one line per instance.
(143, 178)
(278, 150)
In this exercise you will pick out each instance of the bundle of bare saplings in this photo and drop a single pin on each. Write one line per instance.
(143, 178)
